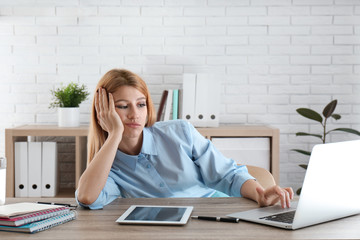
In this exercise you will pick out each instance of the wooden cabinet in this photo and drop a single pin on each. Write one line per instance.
(245, 150)
(264, 154)
(21, 133)
(267, 136)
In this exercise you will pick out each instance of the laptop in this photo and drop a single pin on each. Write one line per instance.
(330, 190)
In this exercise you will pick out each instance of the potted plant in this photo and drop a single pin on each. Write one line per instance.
(67, 99)
(328, 112)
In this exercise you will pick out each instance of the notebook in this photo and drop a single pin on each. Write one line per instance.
(33, 217)
(330, 190)
(43, 224)
(15, 209)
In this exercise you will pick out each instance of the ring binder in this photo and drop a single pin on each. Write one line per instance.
(201, 99)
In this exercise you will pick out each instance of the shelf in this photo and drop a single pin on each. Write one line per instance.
(22, 132)
(66, 193)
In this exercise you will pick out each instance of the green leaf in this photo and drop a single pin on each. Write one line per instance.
(302, 151)
(304, 166)
(336, 116)
(348, 130)
(308, 134)
(69, 96)
(311, 114)
(329, 109)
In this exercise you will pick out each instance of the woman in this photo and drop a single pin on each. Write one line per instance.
(129, 155)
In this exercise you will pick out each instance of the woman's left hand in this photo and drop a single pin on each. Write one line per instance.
(274, 194)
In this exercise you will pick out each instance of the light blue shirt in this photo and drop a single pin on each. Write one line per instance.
(175, 161)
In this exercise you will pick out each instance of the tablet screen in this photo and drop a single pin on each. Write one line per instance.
(137, 214)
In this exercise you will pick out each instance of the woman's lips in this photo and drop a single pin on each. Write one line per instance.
(133, 125)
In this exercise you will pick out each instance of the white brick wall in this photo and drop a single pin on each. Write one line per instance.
(273, 55)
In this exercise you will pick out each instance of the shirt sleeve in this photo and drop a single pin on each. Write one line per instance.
(218, 172)
(109, 193)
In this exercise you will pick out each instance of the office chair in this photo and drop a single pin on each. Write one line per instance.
(263, 176)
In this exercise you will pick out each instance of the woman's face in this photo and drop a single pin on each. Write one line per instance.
(130, 104)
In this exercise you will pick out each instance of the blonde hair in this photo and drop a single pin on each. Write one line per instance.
(111, 81)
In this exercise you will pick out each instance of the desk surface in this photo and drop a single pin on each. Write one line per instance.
(100, 224)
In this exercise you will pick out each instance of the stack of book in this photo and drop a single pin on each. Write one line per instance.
(170, 105)
(33, 217)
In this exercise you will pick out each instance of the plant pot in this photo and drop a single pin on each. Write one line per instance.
(68, 117)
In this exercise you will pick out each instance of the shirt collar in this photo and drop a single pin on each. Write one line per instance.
(148, 148)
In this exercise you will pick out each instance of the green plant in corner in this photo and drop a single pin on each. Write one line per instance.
(69, 96)
(328, 112)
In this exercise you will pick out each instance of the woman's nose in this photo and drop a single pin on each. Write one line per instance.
(133, 113)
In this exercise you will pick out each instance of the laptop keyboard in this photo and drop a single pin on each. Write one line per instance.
(286, 217)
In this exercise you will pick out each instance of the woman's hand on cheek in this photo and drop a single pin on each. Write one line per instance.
(107, 117)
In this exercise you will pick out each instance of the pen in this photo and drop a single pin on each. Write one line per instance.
(61, 204)
(218, 219)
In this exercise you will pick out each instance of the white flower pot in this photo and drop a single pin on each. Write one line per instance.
(68, 117)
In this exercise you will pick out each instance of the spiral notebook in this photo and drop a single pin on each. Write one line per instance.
(33, 217)
(16, 209)
(43, 224)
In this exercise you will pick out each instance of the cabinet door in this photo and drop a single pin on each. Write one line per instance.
(245, 150)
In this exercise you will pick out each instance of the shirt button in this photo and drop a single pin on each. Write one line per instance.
(161, 184)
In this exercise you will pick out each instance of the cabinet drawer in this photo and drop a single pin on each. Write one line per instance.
(245, 150)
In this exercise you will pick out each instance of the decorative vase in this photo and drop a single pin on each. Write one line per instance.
(68, 117)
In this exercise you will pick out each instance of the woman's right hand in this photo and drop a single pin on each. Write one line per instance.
(106, 115)
(93, 180)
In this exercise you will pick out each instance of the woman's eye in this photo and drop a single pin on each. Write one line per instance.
(121, 107)
(142, 105)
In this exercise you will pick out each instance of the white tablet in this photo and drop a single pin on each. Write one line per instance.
(157, 215)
